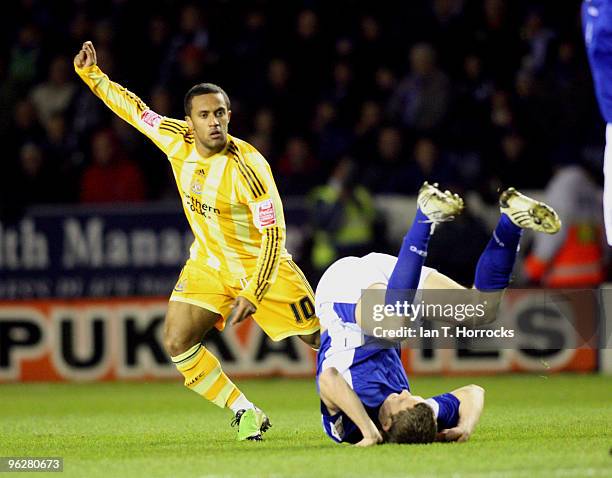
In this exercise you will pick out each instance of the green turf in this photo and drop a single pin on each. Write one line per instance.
(560, 426)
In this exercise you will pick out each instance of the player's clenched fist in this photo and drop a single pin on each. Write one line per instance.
(87, 56)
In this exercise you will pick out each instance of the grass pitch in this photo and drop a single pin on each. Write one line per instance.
(557, 426)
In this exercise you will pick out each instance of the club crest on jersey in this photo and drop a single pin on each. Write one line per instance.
(151, 118)
(265, 214)
(197, 183)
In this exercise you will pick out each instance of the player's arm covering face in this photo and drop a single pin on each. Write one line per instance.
(125, 104)
(257, 189)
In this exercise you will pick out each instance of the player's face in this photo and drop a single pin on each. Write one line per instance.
(209, 120)
(395, 403)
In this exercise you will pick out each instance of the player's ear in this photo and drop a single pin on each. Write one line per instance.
(229, 115)
(189, 122)
(386, 424)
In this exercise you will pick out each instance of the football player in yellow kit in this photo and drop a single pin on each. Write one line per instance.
(238, 266)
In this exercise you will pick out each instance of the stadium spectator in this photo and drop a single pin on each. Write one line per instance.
(79, 28)
(539, 39)
(389, 172)
(104, 34)
(56, 94)
(496, 37)
(278, 95)
(61, 158)
(25, 127)
(111, 177)
(421, 99)
(297, 167)
(308, 45)
(502, 116)
(252, 44)
(430, 165)
(515, 66)
(385, 81)
(147, 72)
(469, 119)
(332, 136)
(190, 68)
(370, 49)
(161, 102)
(577, 256)
(514, 159)
(343, 217)
(25, 57)
(448, 32)
(367, 126)
(189, 44)
(35, 176)
(264, 133)
(342, 92)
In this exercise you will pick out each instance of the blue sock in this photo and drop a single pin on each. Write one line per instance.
(497, 261)
(407, 272)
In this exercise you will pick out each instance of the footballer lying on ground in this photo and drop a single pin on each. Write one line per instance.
(364, 390)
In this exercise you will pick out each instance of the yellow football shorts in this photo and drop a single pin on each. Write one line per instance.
(286, 309)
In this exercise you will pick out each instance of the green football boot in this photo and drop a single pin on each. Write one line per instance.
(252, 423)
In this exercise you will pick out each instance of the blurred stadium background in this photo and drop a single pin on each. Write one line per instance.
(366, 99)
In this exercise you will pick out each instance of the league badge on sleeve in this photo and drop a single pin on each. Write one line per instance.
(265, 215)
(151, 118)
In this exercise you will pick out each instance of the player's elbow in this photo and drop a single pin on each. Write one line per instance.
(476, 388)
(477, 393)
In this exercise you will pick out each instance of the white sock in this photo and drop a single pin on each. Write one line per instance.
(241, 403)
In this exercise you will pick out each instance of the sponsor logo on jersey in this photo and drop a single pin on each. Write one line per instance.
(180, 285)
(151, 118)
(265, 213)
(199, 207)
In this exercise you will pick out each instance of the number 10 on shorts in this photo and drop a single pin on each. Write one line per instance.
(303, 310)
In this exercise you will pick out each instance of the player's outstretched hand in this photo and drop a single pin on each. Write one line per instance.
(87, 56)
(241, 310)
(370, 440)
(457, 434)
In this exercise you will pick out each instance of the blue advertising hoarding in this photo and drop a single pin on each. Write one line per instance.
(119, 250)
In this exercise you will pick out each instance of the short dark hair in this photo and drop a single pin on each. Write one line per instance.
(414, 425)
(203, 89)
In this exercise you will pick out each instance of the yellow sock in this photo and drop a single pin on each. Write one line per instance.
(203, 375)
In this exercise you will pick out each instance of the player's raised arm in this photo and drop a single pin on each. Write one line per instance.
(123, 102)
(471, 403)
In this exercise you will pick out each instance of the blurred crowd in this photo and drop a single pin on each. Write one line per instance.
(475, 94)
(345, 99)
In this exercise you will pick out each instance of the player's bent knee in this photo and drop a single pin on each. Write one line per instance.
(176, 345)
(185, 326)
(178, 338)
(327, 379)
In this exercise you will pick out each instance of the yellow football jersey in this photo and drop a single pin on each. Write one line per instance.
(230, 199)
